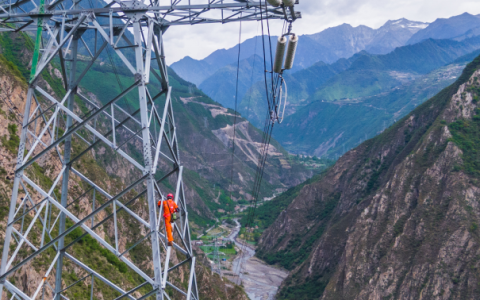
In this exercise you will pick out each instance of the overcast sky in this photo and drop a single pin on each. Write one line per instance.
(201, 40)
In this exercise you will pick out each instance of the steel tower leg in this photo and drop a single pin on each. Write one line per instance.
(152, 126)
(147, 154)
(16, 184)
(66, 166)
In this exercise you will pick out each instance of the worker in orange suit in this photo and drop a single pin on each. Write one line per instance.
(169, 208)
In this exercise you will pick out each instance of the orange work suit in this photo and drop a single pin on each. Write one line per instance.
(169, 207)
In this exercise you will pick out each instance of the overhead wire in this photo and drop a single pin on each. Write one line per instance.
(235, 111)
(114, 68)
(266, 137)
(253, 71)
(268, 128)
(235, 122)
(117, 76)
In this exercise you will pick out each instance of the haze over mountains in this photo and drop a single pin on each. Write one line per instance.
(344, 40)
(328, 46)
(340, 67)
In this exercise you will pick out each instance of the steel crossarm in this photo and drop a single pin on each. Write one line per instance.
(180, 14)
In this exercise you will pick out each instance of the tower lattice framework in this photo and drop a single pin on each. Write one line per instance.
(137, 125)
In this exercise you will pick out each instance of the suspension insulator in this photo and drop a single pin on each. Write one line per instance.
(292, 48)
(275, 3)
(288, 2)
(279, 54)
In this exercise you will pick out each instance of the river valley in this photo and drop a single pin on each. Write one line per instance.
(261, 281)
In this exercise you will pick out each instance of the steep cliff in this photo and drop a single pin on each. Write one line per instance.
(395, 218)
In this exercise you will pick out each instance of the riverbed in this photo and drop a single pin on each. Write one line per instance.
(261, 281)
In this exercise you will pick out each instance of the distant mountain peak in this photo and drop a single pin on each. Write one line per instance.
(449, 28)
(190, 58)
(405, 23)
(346, 25)
(393, 34)
(334, 43)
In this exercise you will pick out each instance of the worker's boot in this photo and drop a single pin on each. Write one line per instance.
(170, 244)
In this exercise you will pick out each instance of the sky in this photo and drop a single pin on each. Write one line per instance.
(201, 40)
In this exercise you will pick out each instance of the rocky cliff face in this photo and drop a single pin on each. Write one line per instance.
(395, 218)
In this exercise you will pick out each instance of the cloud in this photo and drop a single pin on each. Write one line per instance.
(200, 40)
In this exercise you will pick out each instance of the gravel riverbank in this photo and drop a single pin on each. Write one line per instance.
(261, 281)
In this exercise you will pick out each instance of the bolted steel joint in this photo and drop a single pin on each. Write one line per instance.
(90, 16)
(140, 78)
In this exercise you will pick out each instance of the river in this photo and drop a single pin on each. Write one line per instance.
(261, 281)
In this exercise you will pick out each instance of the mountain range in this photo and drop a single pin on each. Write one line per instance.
(328, 46)
(332, 108)
(450, 28)
(344, 64)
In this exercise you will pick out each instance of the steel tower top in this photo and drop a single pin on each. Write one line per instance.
(25, 13)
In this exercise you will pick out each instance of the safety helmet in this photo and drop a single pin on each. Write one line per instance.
(170, 196)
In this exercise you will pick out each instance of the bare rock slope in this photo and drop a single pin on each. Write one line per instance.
(396, 217)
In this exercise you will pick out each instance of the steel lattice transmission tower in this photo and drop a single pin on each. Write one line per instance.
(74, 35)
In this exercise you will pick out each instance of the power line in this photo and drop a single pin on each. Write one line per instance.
(253, 70)
(266, 138)
(114, 68)
(236, 97)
